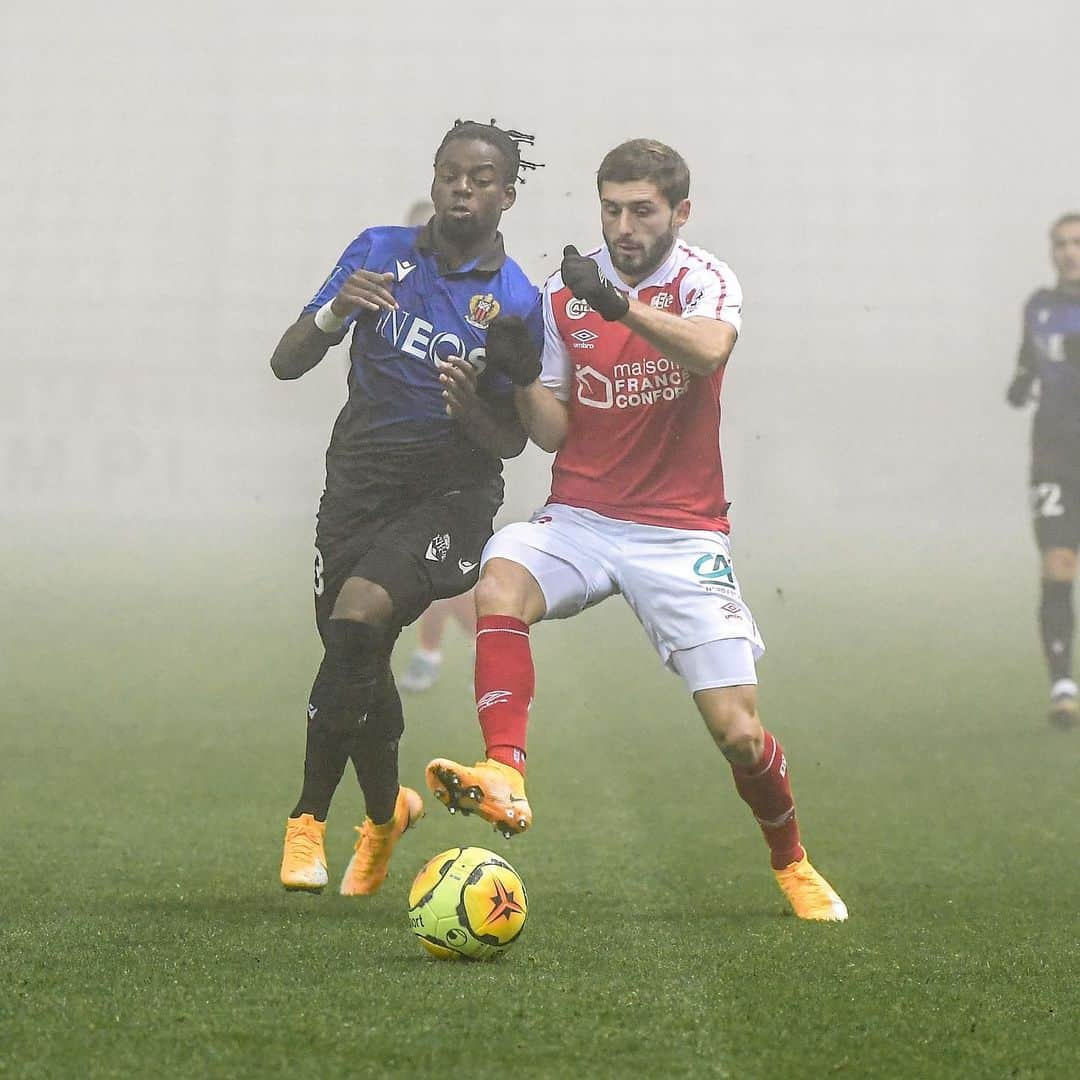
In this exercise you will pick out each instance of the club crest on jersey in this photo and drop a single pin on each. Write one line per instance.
(577, 308)
(482, 309)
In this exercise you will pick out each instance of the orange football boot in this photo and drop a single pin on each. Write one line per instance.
(489, 788)
(368, 867)
(303, 863)
(810, 895)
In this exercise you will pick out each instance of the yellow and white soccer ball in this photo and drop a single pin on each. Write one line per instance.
(467, 903)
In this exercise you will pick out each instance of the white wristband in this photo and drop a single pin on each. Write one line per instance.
(327, 321)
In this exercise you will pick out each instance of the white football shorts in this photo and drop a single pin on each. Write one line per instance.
(680, 584)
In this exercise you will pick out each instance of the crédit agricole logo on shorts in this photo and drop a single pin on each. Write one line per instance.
(715, 567)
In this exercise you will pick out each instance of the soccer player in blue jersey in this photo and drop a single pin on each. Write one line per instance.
(1050, 361)
(413, 472)
(425, 665)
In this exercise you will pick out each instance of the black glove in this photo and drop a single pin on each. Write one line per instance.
(1019, 392)
(510, 349)
(582, 277)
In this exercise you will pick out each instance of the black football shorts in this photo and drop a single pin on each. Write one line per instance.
(1055, 509)
(423, 551)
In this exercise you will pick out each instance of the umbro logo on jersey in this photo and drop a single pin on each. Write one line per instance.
(438, 548)
(404, 269)
(492, 697)
(577, 309)
(583, 339)
(465, 567)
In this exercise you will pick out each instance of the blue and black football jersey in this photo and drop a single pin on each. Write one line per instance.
(1050, 355)
(441, 313)
(393, 441)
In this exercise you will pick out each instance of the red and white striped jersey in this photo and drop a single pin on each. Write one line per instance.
(644, 437)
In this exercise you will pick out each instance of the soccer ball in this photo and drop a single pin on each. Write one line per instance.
(467, 903)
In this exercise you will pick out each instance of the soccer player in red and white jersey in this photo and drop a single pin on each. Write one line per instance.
(627, 395)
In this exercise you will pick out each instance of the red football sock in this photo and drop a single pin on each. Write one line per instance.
(504, 685)
(766, 789)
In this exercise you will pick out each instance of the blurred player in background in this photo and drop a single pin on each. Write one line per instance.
(425, 665)
(636, 338)
(413, 473)
(1050, 361)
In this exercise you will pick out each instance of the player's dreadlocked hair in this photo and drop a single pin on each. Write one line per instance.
(507, 141)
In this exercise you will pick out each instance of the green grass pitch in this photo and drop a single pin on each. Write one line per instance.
(152, 740)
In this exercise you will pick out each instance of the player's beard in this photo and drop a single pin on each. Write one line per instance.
(462, 231)
(644, 261)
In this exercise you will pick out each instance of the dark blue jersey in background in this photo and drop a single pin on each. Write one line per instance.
(394, 425)
(1050, 354)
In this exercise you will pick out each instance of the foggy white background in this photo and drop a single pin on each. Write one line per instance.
(178, 179)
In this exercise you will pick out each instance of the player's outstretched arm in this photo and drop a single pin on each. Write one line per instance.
(305, 343)
(1022, 383)
(301, 347)
(700, 345)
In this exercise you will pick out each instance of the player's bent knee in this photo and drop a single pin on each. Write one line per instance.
(730, 714)
(363, 601)
(1059, 564)
(507, 588)
(743, 746)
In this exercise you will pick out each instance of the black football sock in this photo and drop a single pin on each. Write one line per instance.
(1056, 621)
(338, 709)
(375, 752)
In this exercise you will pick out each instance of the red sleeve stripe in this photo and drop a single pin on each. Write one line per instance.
(709, 266)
